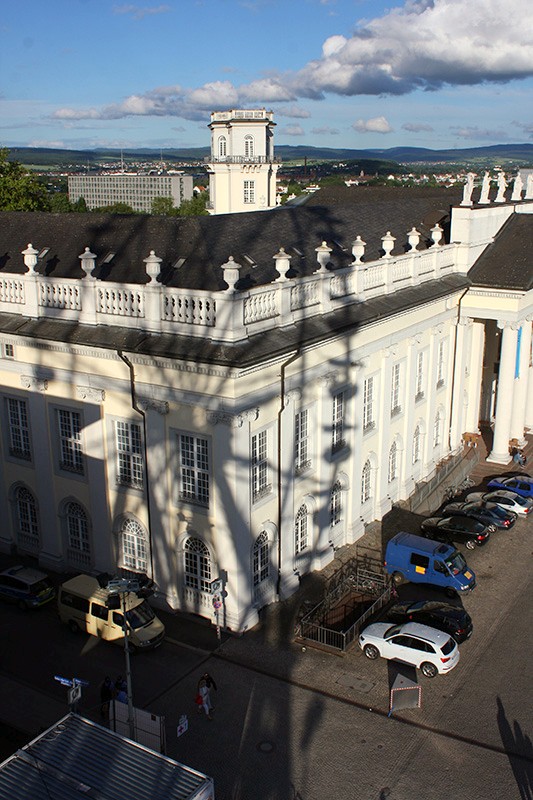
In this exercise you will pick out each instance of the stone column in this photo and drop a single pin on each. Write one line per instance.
(504, 401)
(475, 377)
(457, 422)
(518, 416)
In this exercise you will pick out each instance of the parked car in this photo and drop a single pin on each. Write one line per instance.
(426, 648)
(517, 483)
(488, 513)
(457, 529)
(26, 587)
(508, 500)
(453, 620)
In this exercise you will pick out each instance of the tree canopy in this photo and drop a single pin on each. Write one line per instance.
(19, 190)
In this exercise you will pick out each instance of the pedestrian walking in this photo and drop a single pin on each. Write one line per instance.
(121, 690)
(519, 458)
(204, 695)
(106, 695)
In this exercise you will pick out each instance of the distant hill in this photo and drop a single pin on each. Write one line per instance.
(518, 154)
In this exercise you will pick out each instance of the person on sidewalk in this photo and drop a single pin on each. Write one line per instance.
(203, 691)
(519, 458)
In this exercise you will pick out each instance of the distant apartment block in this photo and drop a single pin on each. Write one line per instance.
(137, 191)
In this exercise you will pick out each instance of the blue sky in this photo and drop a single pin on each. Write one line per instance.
(337, 73)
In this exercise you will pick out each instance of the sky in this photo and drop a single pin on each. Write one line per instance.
(336, 73)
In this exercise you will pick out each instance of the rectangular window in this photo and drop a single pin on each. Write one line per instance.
(301, 442)
(9, 351)
(70, 453)
(194, 469)
(419, 393)
(19, 431)
(368, 405)
(440, 365)
(129, 455)
(395, 391)
(337, 427)
(260, 472)
(249, 191)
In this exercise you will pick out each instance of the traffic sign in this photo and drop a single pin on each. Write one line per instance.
(183, 724)
(217, 601)
(216, 586)
(74, 695)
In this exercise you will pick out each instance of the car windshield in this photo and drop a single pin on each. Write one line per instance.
(456, 564)
(140, 615)
(39, 587)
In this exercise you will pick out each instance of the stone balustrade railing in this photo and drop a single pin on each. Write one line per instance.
(229, 315)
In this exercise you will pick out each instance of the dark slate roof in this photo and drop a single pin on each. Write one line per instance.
(335, 215)
(508, 262)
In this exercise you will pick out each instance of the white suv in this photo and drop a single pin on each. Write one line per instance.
(427, 648)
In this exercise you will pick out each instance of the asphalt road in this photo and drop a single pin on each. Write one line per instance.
(305, 725)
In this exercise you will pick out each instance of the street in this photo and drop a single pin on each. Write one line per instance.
(308, 725)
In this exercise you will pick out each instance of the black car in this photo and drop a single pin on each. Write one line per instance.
(489, 513)
(457, 529)
(443, 616)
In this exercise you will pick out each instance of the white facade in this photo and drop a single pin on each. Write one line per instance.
(136, 191)
(242, 168)
(255, 470)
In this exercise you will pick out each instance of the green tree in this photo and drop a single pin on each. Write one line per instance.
(59, 202)
(116, 208)
(19, 190)
(163, 206)
(79, 205)
(194, 207)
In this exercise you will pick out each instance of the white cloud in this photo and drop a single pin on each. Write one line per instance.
(292, 130)
(374, 125)
(139, 13)
(473, 132)
(294, 112)
(417, 127)
(325, 131)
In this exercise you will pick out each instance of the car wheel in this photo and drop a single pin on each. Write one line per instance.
(398, 578)
(470, 544)
(371, 651)
(73, 625)
(429, 670)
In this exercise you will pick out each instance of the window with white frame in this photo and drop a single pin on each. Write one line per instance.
(133, 549)
(70, 452)
(419, 389)
(260, 559)
(335, 504)
(416, 444)
(301, 442)
(18, 428)
(437, 427)
(260, 469)
(395, 407)
(440, 364)
(301, 537)
(337, 427)
(77, 529)
(27, 521)
(222, 147)
(197, 565)
(248, 146)
(368, 404)
(249, 191)
(393, 462)
(194, 469)
(129, 454)
(366, 486)
(9, 351)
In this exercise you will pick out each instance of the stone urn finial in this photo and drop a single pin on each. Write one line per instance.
(358, 249)
(322, 256)
(231, 274)
(88, 263)
(436, 235)
(413, 238)
(283, 264)
(153, 266)
(387, 243)
(30, 258)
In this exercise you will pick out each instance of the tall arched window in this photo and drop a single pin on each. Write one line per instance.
(197, 565)
(393, 464)
(437, 429)
(365, 482)
(301, 537)
(335, 504)
(133, 549)
(222, 147)
(260, 559)
(248, 146)
(27, 521)
(416, 445)
(77, 529)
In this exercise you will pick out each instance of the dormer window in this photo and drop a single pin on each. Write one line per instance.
(248, 146)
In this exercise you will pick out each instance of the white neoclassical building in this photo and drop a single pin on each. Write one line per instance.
(236, 396)
(242, 167)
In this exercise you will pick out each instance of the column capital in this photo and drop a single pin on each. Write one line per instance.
(91, 394)
(35, 384)
(503, 324)
(148, 403)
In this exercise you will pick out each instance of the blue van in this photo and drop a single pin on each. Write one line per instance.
(420, 560)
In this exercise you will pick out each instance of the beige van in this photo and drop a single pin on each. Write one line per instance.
(82, 606)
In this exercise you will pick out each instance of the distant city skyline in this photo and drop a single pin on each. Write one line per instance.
(337, 73)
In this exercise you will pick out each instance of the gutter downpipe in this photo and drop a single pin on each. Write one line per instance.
(136, 408)
(284, 366)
